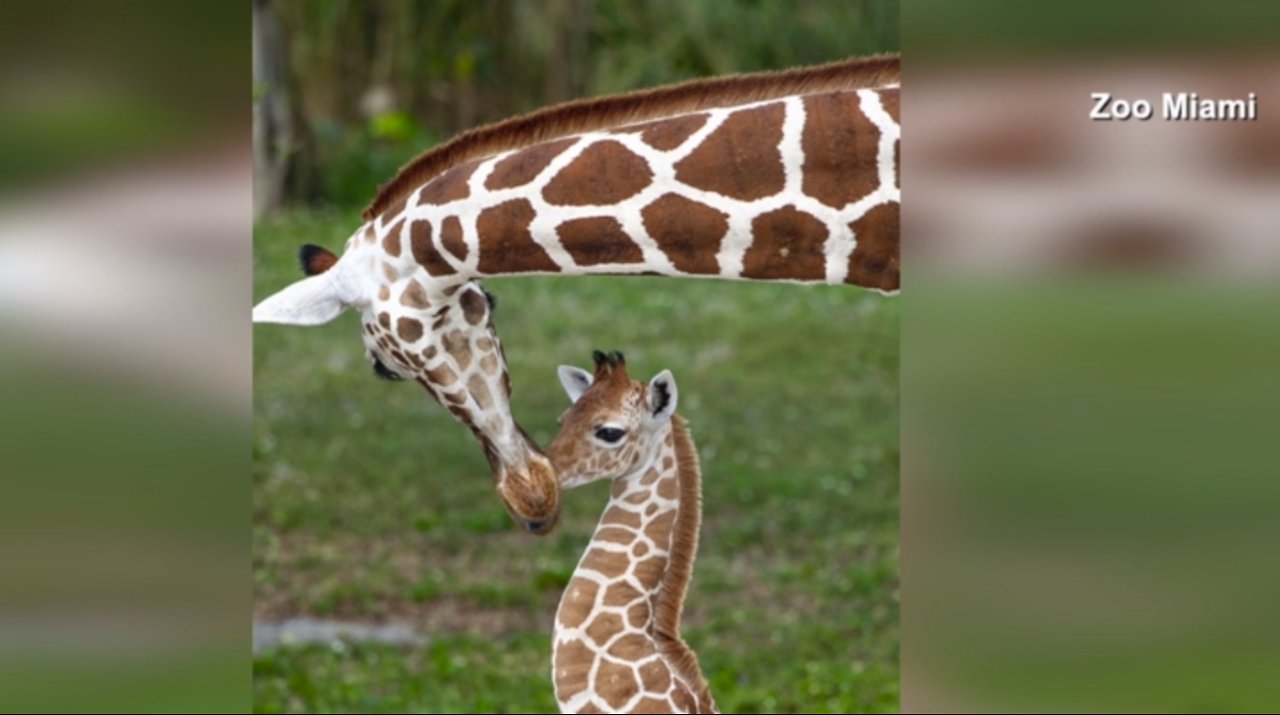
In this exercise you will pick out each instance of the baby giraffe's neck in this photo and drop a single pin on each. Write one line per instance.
(617, 645)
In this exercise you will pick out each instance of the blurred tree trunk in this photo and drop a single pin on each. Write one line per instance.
(272, 118)
(281, 137)
(567, 66)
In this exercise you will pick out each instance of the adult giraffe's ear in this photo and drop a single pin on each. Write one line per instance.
(575, 380)
(310, 301)
(315, 260)
(662, 396)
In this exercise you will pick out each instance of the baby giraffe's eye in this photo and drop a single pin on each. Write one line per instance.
(610, 434)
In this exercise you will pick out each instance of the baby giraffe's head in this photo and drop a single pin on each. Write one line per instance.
(614, 422)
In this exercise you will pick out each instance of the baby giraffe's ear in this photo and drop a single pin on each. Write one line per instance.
(662, 396)
(575, 381)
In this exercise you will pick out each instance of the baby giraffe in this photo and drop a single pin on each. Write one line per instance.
(617, 645)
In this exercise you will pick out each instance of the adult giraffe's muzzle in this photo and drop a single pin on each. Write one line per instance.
(531, 493)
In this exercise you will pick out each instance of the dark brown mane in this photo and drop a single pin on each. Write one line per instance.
(616, 110)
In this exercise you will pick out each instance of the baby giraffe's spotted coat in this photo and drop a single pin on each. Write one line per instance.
(617, 645)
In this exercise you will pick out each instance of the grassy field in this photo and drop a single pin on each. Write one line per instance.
(371, 504)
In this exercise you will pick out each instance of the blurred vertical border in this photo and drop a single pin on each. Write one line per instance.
(125, 383)
(1090, 392)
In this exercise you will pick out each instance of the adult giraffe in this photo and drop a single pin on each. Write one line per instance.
(782, 176)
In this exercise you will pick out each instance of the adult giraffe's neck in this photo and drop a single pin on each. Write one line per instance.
(800, 189)
(647, 537)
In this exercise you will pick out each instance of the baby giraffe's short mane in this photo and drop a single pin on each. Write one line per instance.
(684, 546)
(618, 110)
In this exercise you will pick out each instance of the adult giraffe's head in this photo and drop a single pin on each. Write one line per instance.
(439, 334)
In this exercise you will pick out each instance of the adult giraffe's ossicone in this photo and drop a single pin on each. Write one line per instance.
(784, 176)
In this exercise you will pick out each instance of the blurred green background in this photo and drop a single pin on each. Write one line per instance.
(372, 506)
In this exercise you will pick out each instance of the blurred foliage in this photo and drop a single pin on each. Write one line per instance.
(1006, 29)
(377, 82)
(355, 160)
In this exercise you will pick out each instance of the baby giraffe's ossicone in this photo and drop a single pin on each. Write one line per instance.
(617, 645)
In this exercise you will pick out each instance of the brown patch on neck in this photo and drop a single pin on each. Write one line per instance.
(875, 260)
(459, 347)
(451, 237)
(787, 244)
(480, 392)
(524, 166)
(740, 159)
(618, 110)
(610, 564)
(596, 240)
(414, 296)
(669, 602)
(450, 186)
(506, 246)
(396, 228)
(473, 306)
(489, 364)
(577, 602)
(605, 173)
(667, 134)
(616, 684)
(409, 330)
(424, 251)
(393, 210)
(687, 231)
(890, 99)
(391, 244)
(442, 375)
(841, 149)
(572, 668)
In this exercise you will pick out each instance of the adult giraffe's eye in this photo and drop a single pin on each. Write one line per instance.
(612, 435)
(381, 370)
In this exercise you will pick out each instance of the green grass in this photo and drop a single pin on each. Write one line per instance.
(371, 503)
(450, 674)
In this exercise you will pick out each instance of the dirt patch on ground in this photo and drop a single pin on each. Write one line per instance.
(448, 615)
(350, 579)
